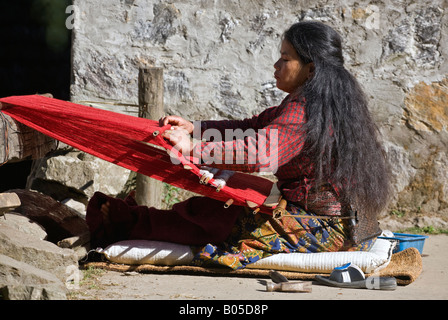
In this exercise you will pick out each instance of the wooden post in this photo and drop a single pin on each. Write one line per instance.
(150, 100)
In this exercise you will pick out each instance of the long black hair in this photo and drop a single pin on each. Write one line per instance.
(341, 137)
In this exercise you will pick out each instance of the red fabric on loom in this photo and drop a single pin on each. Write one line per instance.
(126, 141)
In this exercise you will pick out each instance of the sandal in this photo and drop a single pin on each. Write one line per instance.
(351, 276)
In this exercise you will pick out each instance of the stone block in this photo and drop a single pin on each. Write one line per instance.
(8, 201)
(38, 253)
(77, 175)
(23, 224)
(22, 281)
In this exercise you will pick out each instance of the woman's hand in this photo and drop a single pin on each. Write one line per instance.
(177, 123)
(180, 139)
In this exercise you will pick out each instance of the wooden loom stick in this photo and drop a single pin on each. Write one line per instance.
(228, 203)
(150, 97)
(280, 210)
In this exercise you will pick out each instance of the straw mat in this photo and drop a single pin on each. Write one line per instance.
(405, 266)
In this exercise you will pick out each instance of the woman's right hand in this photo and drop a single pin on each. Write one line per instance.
(177, 122)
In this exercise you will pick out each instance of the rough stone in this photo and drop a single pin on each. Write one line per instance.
(8, 201)
(79, 207)
(21, 281)
(426, 106)
(413, 221)
(23, 224)
(435, 222)
(77, 175)
(396, 224)
(38, 253)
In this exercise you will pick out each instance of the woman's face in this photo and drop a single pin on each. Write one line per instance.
(290, 72)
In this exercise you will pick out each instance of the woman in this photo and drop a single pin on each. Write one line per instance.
(328, 157)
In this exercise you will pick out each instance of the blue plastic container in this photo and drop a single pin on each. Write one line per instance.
(405, 241)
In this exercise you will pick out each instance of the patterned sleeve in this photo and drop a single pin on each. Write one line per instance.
(260, 144)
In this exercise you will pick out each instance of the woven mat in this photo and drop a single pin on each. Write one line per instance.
(405, 266)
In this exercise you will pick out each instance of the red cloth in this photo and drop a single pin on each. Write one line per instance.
(126, 141)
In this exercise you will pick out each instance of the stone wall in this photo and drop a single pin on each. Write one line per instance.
(218, 61)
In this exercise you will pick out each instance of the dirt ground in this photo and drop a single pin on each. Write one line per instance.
(97, 284)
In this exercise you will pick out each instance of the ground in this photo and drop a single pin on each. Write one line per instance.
(432, 284)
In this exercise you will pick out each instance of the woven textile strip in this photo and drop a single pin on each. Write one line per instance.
(130, 142)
